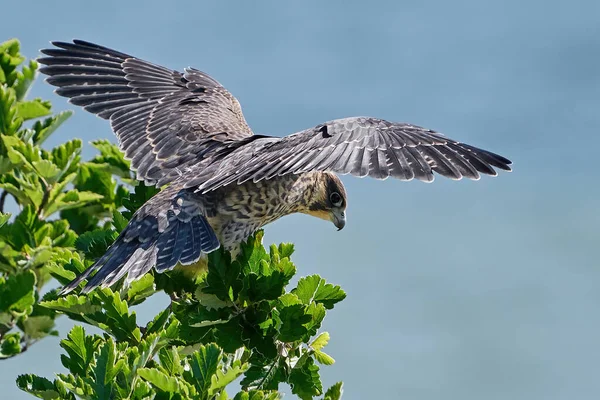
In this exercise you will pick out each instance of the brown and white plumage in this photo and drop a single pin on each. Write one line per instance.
(186, 130)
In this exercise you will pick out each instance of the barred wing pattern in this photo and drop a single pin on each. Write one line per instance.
(170, 229)
(359, 146)
(166, 121)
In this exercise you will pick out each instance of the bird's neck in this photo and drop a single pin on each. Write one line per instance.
(301, 190)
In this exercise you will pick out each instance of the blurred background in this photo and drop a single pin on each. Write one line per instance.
(456, 290)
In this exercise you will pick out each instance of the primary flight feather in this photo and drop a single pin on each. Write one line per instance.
(187, 131)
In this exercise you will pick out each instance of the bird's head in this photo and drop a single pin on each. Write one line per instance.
(328, 201)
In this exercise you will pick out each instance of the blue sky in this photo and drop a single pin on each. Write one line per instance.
(465, 290)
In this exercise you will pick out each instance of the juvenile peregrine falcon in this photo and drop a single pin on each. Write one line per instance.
(187, 131)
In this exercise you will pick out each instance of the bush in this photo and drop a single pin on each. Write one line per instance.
(238, 320)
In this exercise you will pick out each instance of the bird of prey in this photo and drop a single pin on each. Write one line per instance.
(185, 131)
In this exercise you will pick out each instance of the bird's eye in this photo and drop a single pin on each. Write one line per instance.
(335, 199)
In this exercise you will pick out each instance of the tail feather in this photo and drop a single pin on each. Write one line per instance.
(194, 244)
(208, 239)
(111, 266)
(181, 240)
(110, 253)
(152, 239)
(165, 245)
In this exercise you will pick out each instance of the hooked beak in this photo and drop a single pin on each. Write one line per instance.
(339, 219)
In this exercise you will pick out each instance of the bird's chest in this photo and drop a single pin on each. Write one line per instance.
(242, 209)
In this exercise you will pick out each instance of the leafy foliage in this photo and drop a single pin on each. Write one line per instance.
(59, 197)
(236, 322)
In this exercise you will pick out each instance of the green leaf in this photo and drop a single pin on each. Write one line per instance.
(139, 356)
(74, 384)
(17, 293)
(334, 392)
(97, 179)
(9, 121)
(95, 243)
(4, 217)
(80, 350)
(43, 129)
(266, 276)
(289, 299)
(140, 290)
(323, 358)
(20, 153)
(305, 381)
(222, 396)
(229, 336)
(293, 319)
(242, 396)
(66, 157)
(28, 217)
(18, 234)
(137, 198)
(260, 329)
(119, 221)
(262, 375)
(73, 304)
(33, 109)
(47, 170)
(10, 57)
(118, 320)
(210, 301)
(24, 79)
(111, 155)
(268, 285)
(28, 190)
(104, 369)
(314, 288)
(204, 364)
(223, 277)
(38, 387)
(71, 199)
(258, 395)
(159, 379)
(286, 250)
(61, 235)
(5, 165)
(65, 265)
(170, 360)
(158, 323)
(10, 345)
(39, 326)
(253, 254)
(320, 341)
(222, 379)
(317, 314)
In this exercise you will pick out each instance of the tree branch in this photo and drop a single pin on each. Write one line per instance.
(3, 200)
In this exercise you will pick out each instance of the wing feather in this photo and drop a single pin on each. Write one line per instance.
(162, 118)
(360, 146)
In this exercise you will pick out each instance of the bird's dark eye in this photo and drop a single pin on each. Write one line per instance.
(335, 199)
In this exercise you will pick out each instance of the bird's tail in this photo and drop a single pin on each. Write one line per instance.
(170, 229)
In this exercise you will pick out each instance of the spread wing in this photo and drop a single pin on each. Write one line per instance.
(165, 120)
(359, 146)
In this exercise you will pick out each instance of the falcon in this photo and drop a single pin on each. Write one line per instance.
(185, 132)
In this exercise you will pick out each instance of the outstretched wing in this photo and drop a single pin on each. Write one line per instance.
(359, 146)
(165, 120)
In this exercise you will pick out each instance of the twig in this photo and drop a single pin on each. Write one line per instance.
(44, 200)
(3, 200)
(267, 375)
